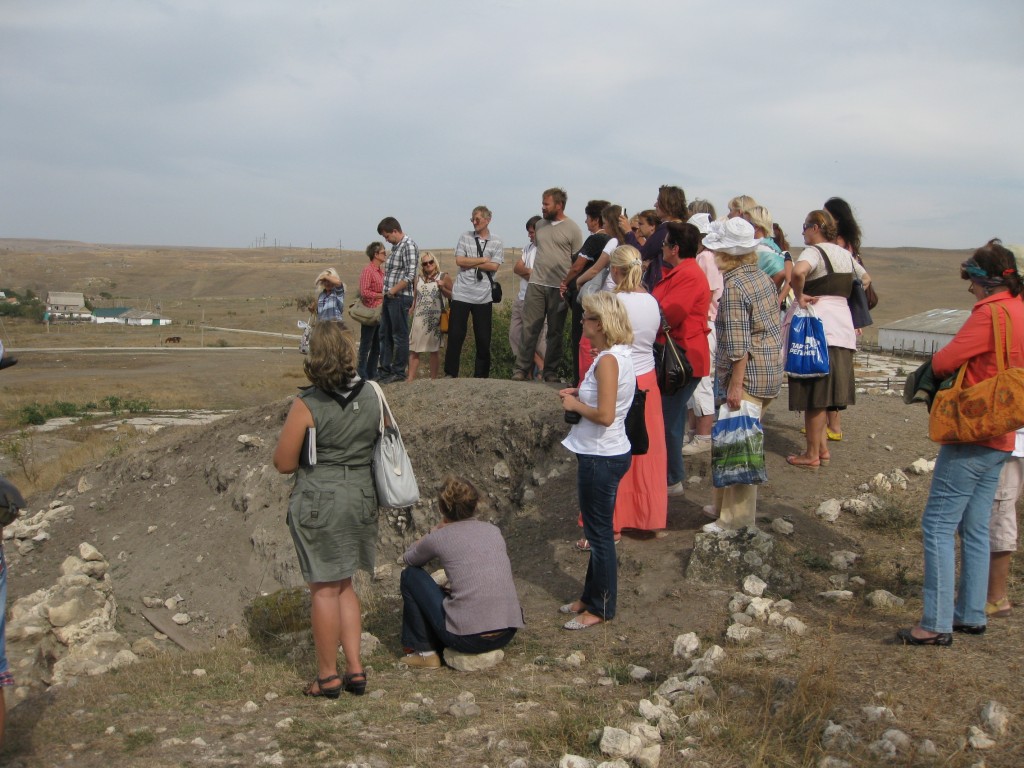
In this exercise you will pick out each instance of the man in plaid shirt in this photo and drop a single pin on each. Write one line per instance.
(399, 278)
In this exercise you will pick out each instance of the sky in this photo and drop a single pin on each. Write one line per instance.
(244, 122)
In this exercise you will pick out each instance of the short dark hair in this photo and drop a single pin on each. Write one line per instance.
(531, 223)
(388, 224)
(685, 236)
(594, 207)
(373, 249)
(651, 217)
(557, 194)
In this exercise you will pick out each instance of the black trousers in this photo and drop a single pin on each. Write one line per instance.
(458, 325)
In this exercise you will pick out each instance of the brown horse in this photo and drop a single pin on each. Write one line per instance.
(172, 340)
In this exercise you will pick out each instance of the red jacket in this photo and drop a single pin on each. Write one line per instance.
(974, 345)
(684, 296)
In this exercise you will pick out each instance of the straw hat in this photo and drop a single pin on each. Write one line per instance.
(732, 236)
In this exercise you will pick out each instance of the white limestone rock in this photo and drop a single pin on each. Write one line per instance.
(472, 662)
(837, 737)
(878, 714)
(837, 595)
(996, 718)
(615, 742)
(922, 466)
(794, 626)
(782, 527)
(884, 600)
(978, 739)
(575, 761)
(829, 510)
(754, 585)
(759, 608)
(741, 635)
(686, 646)
(843, 559)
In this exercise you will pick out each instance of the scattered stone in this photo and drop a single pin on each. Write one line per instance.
(172, 602)
(575, 761)
(89, 553)
(145, 647)
(900, 741)
(743, 618)
(199, 673)
(84, 486)
(842, 559)
(878, 714)
(181, 618)
(639, 673)
(251, 441)
(616, 763)
(754, 586)
(729, 558)
(759, 608)
(575, 659)
(648, 733)
(978, 739)
(922, 466)
(884, 600)
(782, 527)
(898, 480)
(152, 529)
(742, 635)
(286, 723)
(615, 742)
(829, 510)
(927, 749)
(649, 756)
(501, 471)
(472, 662)
(880, 483)
(250, 707)
(198, 741)
(858, 581)
(775, 619)
(739, 602)
(794, 626)
(464, 709)
(783, 606)
(996, 718)
(837, 595)
(152, 602)
(837, 737)
(686, 646)
(839, 580)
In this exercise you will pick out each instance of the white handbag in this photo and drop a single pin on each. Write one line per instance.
(392, 469)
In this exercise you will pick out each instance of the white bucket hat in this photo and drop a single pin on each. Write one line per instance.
(701, 221)
(732, 236)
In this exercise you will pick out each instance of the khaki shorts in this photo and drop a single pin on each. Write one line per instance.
(1002, 528)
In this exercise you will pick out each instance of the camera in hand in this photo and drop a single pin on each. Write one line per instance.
(572, 417)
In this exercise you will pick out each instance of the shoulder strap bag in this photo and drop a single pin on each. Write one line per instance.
(860, 306)
(673, 369)
(392, 469)
(495, 286)
(988, 409)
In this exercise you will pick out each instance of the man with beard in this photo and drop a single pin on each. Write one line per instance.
(558, 239)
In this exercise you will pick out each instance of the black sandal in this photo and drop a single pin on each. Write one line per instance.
(354, 683)
(327, 693)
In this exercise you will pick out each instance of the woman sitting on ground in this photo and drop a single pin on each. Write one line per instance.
(478, 611)
(967, 474)
(332, 510)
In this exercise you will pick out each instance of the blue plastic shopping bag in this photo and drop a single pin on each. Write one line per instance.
(737, 447)
(807, 350)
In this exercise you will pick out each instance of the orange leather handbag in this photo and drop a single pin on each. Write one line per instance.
(988, 409)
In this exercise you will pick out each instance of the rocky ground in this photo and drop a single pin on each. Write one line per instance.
(185, 529)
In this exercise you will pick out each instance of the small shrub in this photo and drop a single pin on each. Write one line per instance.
(893, 517)
(812, 560)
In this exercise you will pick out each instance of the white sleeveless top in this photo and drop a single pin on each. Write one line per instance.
(591, 438)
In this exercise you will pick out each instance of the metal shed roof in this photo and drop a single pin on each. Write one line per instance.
(946, 321)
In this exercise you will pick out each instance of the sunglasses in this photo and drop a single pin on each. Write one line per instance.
(424, 263)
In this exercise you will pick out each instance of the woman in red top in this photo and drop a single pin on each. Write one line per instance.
(371, 294)
(966, 474)
(684, 296)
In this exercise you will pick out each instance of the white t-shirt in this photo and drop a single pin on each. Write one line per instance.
(611, 245)
(645, 317)
(471, 284)
(529, 256)
(841, 259)
(591, 438)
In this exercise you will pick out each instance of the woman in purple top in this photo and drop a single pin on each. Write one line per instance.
(477, 610)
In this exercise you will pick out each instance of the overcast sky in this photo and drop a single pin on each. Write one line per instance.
(181, 122)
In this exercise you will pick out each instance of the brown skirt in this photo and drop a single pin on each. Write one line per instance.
(836, 389)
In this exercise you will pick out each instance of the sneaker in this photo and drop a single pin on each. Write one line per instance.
(419, 661)
(552, 378)
(709, 511)
(697, 444)
(518, 376)
(676, 489)
(713, 528)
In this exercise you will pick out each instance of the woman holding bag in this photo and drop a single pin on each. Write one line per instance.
(966, 474)
(823, 277)
(432, 287)
(332, 510)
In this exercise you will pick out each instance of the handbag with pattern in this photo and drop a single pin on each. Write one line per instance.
(988, 409)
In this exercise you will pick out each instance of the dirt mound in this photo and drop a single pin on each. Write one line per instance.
(200, 514)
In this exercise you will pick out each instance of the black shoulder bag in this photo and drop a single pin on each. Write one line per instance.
(495, 287)
(673, 369)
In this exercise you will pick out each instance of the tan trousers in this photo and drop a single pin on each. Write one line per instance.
(736, 505)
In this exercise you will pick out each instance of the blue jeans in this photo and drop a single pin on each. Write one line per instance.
(597, 482)
(4, 670)
(960, 501)
(369, 351)
(394, 336)
(423, 620)
(673, 408)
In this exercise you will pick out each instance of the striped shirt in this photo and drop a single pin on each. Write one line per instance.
(401, 265)
(748, 323)
(330, 305)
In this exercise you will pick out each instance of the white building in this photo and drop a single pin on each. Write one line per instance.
(925, 333)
